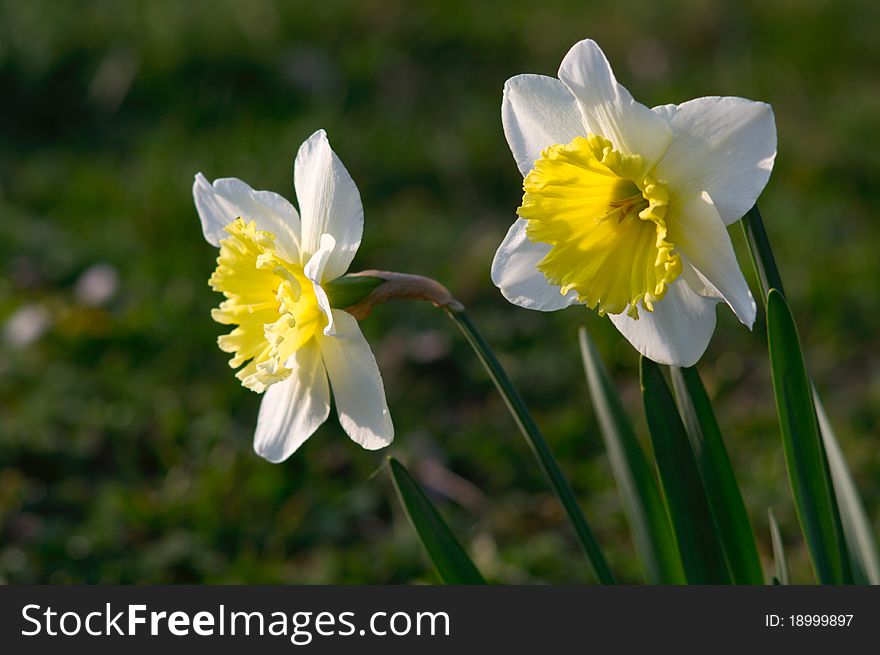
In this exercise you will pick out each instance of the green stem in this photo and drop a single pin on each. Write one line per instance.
(762, 254)
(537, 443)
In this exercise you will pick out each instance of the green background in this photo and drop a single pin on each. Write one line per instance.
(126, 442)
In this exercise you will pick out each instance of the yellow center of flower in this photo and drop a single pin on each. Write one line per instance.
(605, 217)
(269, 300)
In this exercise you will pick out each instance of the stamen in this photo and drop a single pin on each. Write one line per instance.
(270, 301)
(571, 196)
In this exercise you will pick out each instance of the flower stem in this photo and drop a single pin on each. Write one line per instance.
(540, 447)
(762, 254)
(400, 286)
(769, 278)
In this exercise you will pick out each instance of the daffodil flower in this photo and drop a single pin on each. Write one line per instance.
(272, 268)
(625, 208)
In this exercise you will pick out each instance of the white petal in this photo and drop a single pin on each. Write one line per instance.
(329, 203)
(537, 112)
(229, 198)
(608, 108)
(357, 384)
(677, 332)
(314, 271)
(292, 410)
(725, 146)
(515, 272)
(698, 231)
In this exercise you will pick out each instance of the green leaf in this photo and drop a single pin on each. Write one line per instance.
(781, 575)
(860, 541)
(722, 490)
(350, 289)
(808, 470)
(445, 552)
(635, 479)
(699, 545)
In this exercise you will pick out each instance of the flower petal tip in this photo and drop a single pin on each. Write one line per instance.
(367, 439)
(273, 457)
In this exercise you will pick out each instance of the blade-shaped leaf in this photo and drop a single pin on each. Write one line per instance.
(699, 545)
(447, 555)
(780, 562)
(723, 492)
(644, 507)
(860, 541)
(808, 470)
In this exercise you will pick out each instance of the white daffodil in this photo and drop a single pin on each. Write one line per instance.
(272, 266)
(625, 208)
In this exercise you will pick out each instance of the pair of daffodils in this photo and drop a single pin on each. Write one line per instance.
(624, 210)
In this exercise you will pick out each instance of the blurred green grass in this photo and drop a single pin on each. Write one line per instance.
(125, 440)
